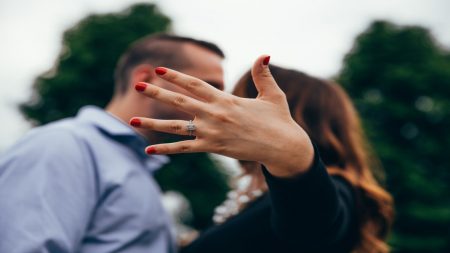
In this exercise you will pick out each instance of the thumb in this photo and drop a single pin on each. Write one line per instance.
(263, 79)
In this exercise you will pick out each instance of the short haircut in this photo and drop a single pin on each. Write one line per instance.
(158, 50)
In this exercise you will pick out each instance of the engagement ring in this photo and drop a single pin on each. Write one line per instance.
(191, 128)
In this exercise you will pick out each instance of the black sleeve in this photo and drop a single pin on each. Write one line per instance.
(313, 210)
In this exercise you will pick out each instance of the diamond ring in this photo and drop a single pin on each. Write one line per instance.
(191, 128)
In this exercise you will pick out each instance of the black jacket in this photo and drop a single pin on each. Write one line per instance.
(313, 212)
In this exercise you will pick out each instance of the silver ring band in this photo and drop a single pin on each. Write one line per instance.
(191, 128)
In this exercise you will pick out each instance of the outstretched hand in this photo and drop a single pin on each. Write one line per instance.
(259, 129)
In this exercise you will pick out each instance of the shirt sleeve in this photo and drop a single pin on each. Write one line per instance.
(313, 210)
(47, 191)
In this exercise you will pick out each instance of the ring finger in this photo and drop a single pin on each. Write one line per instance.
(180, 127)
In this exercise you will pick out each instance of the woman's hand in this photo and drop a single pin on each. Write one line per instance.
(260, 129)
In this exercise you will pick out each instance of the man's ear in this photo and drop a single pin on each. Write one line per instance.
(142, 73)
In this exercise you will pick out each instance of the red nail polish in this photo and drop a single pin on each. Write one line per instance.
(135, 122)
(140, 86)
(150, 150)
(266, 60)
(160, 71)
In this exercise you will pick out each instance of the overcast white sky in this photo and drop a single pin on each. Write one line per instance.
(309, 35)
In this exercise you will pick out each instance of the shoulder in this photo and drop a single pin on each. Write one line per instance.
(59, 142)
(51, 156)
(72, 133)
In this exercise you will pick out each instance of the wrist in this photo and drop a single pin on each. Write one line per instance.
(294, 158)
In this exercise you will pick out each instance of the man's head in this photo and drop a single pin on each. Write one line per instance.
(198, 58)
(161, 50)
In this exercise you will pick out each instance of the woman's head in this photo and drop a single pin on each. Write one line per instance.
(324, 110)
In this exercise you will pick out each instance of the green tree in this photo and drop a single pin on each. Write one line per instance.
(83, 75)
(399, 78)
(83, 72)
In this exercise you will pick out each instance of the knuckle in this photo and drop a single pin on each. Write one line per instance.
(221, 117)
(170, 77)
(281, 95)
(192, 84)
(149, 124)
(179, 101)
(213, 134)
(229, 101)
(184, 148)
(220, 147)
(153, 92)
(175, 127)
(163, 149)
(224, 119)
(266, 73)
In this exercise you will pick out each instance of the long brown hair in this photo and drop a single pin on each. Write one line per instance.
(327, 114)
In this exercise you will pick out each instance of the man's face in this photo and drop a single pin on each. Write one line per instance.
(204, 65)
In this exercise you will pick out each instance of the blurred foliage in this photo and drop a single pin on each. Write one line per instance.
(83, 75)
(83, 72)
(399, 78)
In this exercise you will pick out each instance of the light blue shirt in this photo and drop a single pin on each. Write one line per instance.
(82, 184)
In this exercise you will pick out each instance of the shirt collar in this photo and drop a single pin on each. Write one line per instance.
(116, 129)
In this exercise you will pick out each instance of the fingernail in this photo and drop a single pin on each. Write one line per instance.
(150, 150)
(140, 86)
(160, 71)
(135, 122)
(266, 60)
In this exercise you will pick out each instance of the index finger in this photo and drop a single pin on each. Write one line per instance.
(193, 85)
